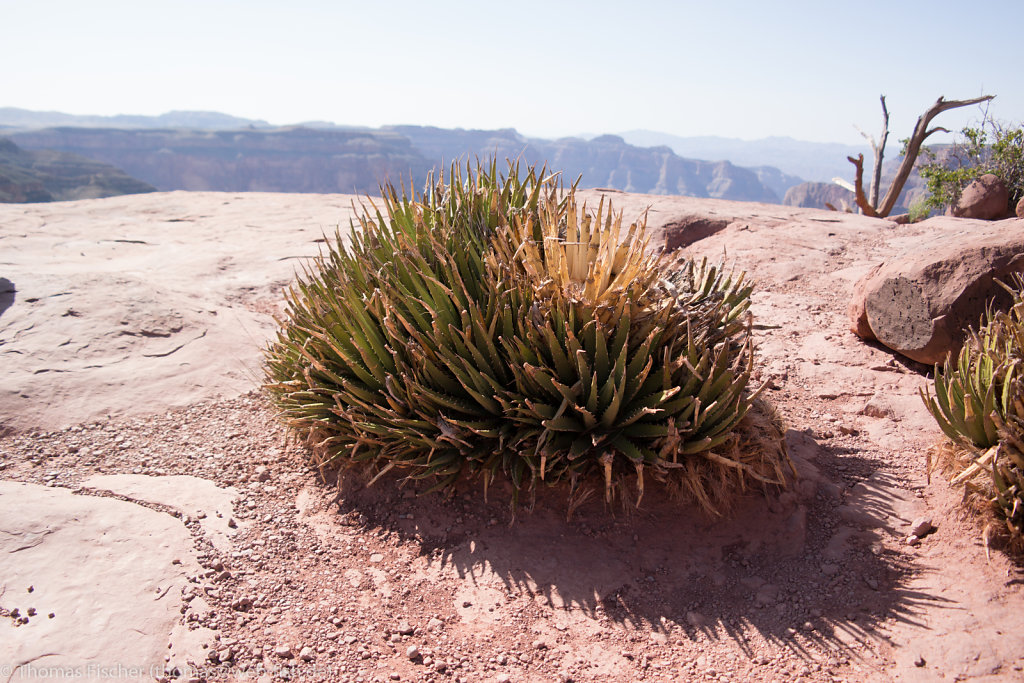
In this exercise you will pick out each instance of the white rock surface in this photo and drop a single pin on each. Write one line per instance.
(145, 301)
(198, 498)
(104, 568)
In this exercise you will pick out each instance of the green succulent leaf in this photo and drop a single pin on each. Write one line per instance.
(978, 404)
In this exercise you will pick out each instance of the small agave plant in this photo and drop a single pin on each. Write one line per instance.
(979, 405)
(493, 326)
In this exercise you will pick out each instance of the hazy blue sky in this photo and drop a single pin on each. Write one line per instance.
(750, 69)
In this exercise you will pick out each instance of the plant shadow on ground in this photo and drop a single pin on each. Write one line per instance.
(803, 568)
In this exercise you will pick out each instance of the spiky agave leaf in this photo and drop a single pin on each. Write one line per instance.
(979, 405)
(569, 255)
(968, 391)
(623, 360)
(388, 351)
(719, 298)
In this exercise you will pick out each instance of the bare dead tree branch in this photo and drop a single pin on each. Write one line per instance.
(843, 183)
(862, 201)
(914, 147)
(879, 149)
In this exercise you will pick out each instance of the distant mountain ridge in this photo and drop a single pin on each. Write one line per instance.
(212, 151)
(12, 117)
(815, 161)
(44, 176)
(273, 160)
(605, 161)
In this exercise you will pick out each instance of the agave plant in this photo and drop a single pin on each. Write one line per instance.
(968, 393)
(979, 405)
(387, 353)
(492, 325)
(565, 255)
(621, 362)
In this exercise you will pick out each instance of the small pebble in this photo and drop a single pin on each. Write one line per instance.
(921, 527)
(412, 652)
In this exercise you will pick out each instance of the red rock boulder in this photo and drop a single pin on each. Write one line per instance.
(1020, 208)
(986, 198)
(685, 230)
(920, 305)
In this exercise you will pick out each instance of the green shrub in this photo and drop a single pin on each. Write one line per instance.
(493, 326)
(979, 405)
(919, 210)
(972, 157)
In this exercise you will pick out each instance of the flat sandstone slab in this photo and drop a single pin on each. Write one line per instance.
(104, 580)
(192, 496)
(131, 304)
